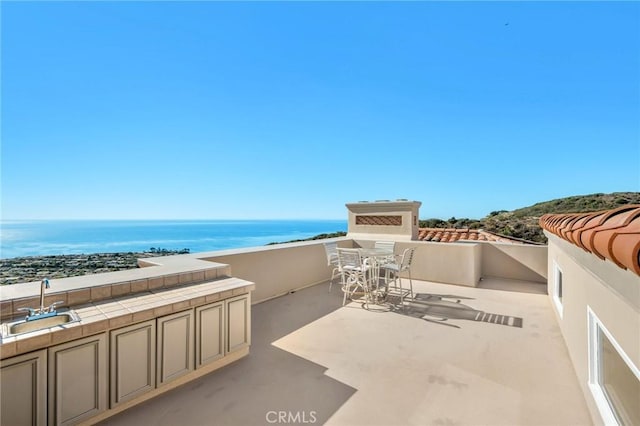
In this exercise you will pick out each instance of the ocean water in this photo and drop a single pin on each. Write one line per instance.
(39, 238)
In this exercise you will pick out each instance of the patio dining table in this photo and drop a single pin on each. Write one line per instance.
(371, 252)
(375, 258)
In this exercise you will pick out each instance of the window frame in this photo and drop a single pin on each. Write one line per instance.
(595, 326)
(558, 288)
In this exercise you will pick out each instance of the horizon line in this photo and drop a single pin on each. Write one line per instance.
(164, 219)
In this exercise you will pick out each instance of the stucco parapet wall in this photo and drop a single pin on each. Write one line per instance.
(450, 263)
(282, 246)
(623, 282)
(156, 272)
(528, 259)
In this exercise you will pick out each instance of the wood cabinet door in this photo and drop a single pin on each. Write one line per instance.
(23, 389)
(210, 331)
(133, 361)
(175, 346)
(238, 311)
(77, 380)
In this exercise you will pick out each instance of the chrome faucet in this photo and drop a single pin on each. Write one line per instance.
(43, 311)
(51, 309)
(43, 285)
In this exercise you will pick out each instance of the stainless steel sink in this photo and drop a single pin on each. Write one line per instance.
(23, 326)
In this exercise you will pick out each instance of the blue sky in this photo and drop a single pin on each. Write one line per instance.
(150, 110)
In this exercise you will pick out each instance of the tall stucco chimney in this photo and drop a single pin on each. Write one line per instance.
(397, 220)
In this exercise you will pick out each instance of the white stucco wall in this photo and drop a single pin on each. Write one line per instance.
(612, 293)
(514, 261)
(281, 268)
(449, 263)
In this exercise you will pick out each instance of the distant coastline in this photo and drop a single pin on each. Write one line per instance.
(57, 237)
(34, 268)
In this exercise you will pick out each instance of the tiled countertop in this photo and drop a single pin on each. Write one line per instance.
(118, 312)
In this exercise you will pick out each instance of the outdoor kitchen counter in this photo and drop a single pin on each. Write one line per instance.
(98, 317)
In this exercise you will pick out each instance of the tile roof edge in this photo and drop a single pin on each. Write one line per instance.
(602, 233)
(489, 236)
(515, 239)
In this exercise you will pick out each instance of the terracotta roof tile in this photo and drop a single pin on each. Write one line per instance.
(450, 235)
(625, 249)
(577, 225)
(567, 226)
(611, 234)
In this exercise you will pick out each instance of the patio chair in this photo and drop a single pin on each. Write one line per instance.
(331, 250)
(386, 245)
(395, 269)
(354, 273)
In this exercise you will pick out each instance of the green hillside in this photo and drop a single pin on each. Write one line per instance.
(523, 222)
(580, 203)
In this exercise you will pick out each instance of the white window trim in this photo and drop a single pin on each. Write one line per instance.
(601, 400)
(556, 299)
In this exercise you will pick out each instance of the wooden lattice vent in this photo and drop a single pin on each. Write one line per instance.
(379, 220)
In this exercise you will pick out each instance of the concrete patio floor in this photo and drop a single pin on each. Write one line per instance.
(491, 355)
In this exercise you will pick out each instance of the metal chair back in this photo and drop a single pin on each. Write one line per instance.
(407, 258)
(349, 259)
(387, 245)
(331, 250)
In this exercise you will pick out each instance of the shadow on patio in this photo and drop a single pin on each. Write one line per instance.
(439, 308)
(268, 380)
(353, 366)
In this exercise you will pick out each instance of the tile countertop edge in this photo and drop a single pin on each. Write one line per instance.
(103, 316)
